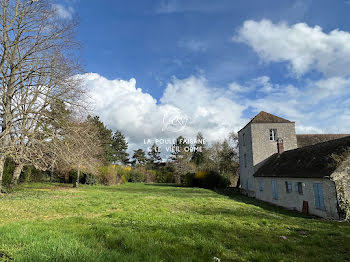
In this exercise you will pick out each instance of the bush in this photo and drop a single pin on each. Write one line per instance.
(137, 175)
(164, 175)
(109, 175)
(188, 179)
(88, 179)
(206, 179)
(8, 172)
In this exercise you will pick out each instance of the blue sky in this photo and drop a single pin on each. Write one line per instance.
(289, 68)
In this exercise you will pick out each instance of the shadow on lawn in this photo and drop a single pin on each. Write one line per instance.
(234, 193)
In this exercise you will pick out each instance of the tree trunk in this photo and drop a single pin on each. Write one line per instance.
(16, 174)
(2, 165)
(76, 183)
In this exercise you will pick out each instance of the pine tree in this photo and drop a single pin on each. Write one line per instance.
(139, 158)
(154, 155)
(198, 156)
(105, 138)
(120, 146)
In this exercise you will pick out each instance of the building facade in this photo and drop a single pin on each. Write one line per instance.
(276, 169)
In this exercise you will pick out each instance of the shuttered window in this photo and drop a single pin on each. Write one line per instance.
(318, 192)
(274, 189)
(288, 186)
(296, 187)
(300, 188)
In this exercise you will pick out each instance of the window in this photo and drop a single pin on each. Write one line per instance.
(245, 160)
(288, 187)
(247, 184)
(318, 192)
(300, 188)
(274, 190)
(296, 187)
(273, 135)
(243, 138)
(261, 188)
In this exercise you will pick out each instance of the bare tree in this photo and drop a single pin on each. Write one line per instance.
(79, 148)
(37, 65)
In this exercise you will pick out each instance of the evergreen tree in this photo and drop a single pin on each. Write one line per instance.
(120, 146)
(198, 156)
(105, 138)
(154, 155)
(139, 158)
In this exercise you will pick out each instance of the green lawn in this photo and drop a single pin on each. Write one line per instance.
(136, 222)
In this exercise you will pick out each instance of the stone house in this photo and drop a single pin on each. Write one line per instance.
(307, 173)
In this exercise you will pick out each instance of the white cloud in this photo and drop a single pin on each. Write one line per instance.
(305, 48)
(317, 107)
(123, 106)
(63, 12)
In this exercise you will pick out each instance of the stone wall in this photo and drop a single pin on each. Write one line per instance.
(261, 144)
(258, 148)
(245, 147)
(294, 201)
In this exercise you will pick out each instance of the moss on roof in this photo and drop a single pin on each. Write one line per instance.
(264, 117)
(315, 161)
(312, 139)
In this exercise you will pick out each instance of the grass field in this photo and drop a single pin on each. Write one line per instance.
(136, 222)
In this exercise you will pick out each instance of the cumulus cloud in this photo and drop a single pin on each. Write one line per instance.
(304, 47)
(63, 12)
(123, 106)
(317, 107)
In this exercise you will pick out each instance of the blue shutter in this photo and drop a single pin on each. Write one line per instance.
(317, 197)
(296, 186)
(318, 192)
(274, 188)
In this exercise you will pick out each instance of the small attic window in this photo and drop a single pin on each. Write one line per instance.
(273, 135)
(243, 136)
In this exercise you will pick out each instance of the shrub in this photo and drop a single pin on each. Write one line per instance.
(89, 179)
(206, 179)
(164, 175)
(110, 175)
(188, 179)
(8, 172)
(137, 175)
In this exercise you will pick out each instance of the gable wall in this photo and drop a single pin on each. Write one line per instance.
(246, 173)
(294, 200)
(263, 147)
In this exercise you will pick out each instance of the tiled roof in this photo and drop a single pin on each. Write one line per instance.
(315, 161)
(264, 117)
(312, 139)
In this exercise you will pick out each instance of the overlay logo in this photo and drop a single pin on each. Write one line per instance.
(174, 120)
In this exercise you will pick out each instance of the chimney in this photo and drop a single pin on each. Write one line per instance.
(280, 147)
